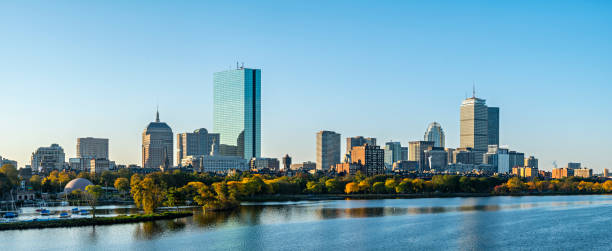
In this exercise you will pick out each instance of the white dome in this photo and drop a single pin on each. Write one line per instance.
(78, 183)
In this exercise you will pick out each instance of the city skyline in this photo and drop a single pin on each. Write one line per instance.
(537, 92)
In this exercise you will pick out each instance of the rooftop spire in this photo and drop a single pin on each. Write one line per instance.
(157, 115)
(473, 89)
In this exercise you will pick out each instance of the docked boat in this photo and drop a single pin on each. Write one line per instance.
(45, 212)
(75, 210)
(84, 212)
(10, 215)
(64, 215)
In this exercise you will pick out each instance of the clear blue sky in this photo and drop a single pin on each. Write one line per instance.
(385, 69)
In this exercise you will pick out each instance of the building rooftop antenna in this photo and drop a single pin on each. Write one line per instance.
(473, 89)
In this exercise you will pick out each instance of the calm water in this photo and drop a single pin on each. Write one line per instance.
(506, 223)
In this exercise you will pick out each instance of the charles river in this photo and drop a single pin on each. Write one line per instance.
(484, 223)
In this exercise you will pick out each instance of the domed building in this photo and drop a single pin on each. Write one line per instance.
(77, 184)
(435, 134)
(157, 141)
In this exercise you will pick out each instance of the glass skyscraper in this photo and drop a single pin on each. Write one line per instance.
(493, 125)
(237, 111)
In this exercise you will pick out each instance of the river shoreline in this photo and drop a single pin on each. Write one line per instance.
(98, 221)
(317, 197)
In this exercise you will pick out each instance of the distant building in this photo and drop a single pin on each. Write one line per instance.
(371, 157)
(558, 173)
(358, 141)
(435, 134)
(237, 111)
(450, 154)
(417, 153)
(606, 173)
(583, 172)
(348, 168)
(215, 163)
(404, 151)
(474, 127)
(80, 164)
(198, 142)
(573, 165)
(531, 162)
(525, 172)
(328, 150)
(92, 148)
(545, 174)
(7, 162)
(157, 150)
(48, 158)
(517, 159)
(304, 166)
(463, 156)
(493, 125)
(98, 166)
(271, 164)
(405, 166)
(436, 158)
(393, 153)
(499, 158)
(286, 162)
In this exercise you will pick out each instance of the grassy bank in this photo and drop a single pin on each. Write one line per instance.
(79, 222)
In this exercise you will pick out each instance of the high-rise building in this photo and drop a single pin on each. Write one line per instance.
(157, 140)
(393, 153)
(48, 158)
(358, 141)
(237, 111)
(558, 173)
(404, 155)
(474, 127)
(328, 150)
(417, 152)
(573, 165)
(450, 155)
(370, 157)
(435, 134)
(606, 173)
(286, 162)
(531, 162)
(517, 159)
(493, 125)
(92, 148)
(197, 143)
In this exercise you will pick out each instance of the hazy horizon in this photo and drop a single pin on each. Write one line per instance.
(384, 70)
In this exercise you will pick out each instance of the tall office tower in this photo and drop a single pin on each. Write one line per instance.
(435, 134)
(92, 148)
(531, 162)
(358, 141)
(237, 111)
(417, 152)
(493, 125)
(48, 158)
(328, 150)
(198, 142)
(474, 127)
(157, 142)
(393, 153)
(404, 151)
(286, 162)
(370, 157)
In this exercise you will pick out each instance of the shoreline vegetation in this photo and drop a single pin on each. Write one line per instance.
(98, 221)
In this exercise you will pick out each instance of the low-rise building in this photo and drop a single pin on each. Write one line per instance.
(405, 166)
(98, 166)
(525, 172)
(271, 164)
(558, 173)
(583, 172)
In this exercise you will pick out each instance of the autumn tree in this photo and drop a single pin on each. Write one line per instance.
(147, 194)
(351, 187)
(122, 185)
(92, 194)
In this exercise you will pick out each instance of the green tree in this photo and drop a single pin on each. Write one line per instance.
(147, 195)
(404, 187)
(11, 173)
(378, 187)
(93, 193)
(333, 186)
(390, 185)
(35, 182)
(314, 187)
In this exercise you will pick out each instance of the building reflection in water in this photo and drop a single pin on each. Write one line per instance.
(474, 229)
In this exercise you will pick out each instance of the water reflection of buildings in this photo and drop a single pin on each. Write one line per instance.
(475, 227)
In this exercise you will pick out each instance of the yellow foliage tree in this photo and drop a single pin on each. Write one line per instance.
(351, 187)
